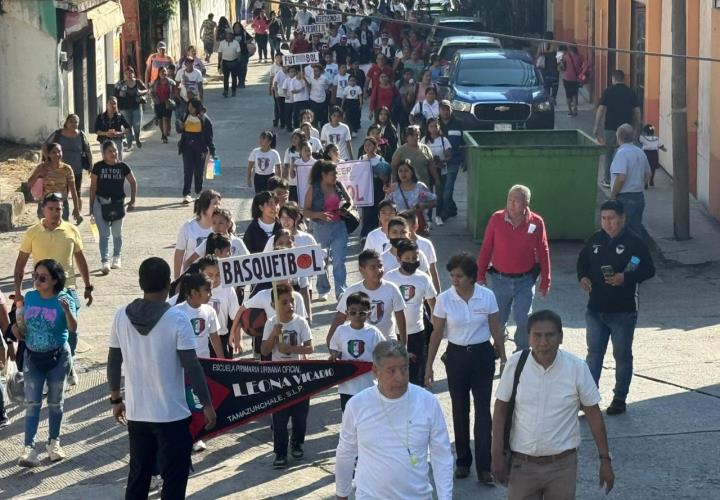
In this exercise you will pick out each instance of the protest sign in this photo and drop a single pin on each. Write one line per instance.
(328, 18)
(299, 262)
(297, 59)
(314, 28)
(244, 390)
(356, 176)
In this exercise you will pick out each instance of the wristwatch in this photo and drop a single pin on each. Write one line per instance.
(116, 401)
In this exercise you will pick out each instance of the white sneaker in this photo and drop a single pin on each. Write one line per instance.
(322, 297)
(116, 263)
(188, 199)
(354, 134)
(55, 453)
(72, 378)
(105, 268)
(29, 458)
(199, 446)
(156, 483)
(438, 221)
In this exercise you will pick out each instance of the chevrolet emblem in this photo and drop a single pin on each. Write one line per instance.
(502, 109)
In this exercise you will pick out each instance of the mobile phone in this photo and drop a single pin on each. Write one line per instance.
(607, 271)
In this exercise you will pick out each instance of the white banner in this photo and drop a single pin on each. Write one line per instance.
(296, 59)
(356, 176)
(328, 18)
(300, 262)
(314, 28)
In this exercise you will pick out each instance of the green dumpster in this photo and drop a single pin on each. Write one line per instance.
(559, 166)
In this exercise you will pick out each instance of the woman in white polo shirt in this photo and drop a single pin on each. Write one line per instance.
(470, 313)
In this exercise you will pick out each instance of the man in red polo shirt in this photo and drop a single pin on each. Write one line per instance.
(514, 252)
(300, 45)
(373, 75)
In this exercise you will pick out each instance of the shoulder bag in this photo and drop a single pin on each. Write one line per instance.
(348, 212)
(511, 406)
(112, 210)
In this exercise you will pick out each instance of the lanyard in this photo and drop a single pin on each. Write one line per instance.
(406, 442)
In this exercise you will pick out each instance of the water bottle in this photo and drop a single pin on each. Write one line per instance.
(216, 166)
(633, 264)
(94, 230)
(210, 169)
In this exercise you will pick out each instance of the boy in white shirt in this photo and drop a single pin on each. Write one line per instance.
(355, 341)
(415, 287)
(352, 103)
(277, 90)
(336, 132)
(397, 231)
(300, 95)
(290, 72)
(286, 336)
(340, 82)
(377, 238)
(318, 94)
(387, 305)
(331, 69)
(425, 245)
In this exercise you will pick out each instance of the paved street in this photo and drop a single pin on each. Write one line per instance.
(664, 447)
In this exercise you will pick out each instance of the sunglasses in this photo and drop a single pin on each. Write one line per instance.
(358, 313)
(41, 278)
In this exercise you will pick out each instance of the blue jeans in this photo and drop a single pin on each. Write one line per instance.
(448, 208)
(634, 204)
(134, 118)
(333, 238)
(620, 328)
(516, 294)
(34, 381)
(106, 228)
(611, 146)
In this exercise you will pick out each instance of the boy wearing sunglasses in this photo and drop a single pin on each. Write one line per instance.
(355, 341)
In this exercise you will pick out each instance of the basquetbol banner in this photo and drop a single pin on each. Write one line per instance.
(244, 390)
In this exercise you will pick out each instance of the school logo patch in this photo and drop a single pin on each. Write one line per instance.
(198, 325)
(596, 248)
(356, 348)
(619, 249)
(290, 337)
(408, 292)
(377, 312)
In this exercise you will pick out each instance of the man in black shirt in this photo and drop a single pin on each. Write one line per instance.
(610, 267)
(618, 105)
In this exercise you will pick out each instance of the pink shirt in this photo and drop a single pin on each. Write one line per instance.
(573, 66)
(332, 204)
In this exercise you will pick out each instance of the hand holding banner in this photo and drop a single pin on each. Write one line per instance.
(356, 176)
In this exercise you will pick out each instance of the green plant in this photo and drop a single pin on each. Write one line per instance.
(160, 10)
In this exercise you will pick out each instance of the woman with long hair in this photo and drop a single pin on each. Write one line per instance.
(381, 177)
(442, 151)
(260, 26)
(162, 91)
(243, 38)
(387, 132)
(409, 193)
(196, 143)
(130, 93)
(57, 177)
(264, 225)
(194, 231)
(75, 147)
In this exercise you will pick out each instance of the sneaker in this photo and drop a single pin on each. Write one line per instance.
(605, 184)
(280, 462)
(187, 199)
(29, 458)
(438, 221)
(462, 471)
(55, 453)
(199, 446)
(72, 378)
(616, 407)
(105, 269)
(296, 451)
(322, 297)
(139, 144)
(116, 262)
(4, 422)
(156, 483)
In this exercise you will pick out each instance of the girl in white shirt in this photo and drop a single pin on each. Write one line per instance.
(308, 116)
(314, 142)
(194, 231)
(264, 162)
(429, 108)
(336, 132)
(292, 154)
(222, 223)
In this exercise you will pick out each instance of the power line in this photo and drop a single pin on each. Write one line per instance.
(464, 31)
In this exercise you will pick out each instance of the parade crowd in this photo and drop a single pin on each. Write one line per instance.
(369, 70)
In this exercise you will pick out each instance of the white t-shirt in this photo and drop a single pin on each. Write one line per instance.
(318, 87)
(466, 322)
(265, 161)
(190, 82)
(154, 377)
(303, 18)
(286, 89)
(352, 92)
(650, 142)
(385, 302)
(302, 163)
(229, 51)
(315, 146)
(415, 289)
(356, 345)
(295, 332)
(237, 247)
(340, 82)
(189, 238)
(391, 262)
(339, 136)
(279, 83)
(331, 70)
(428, 110)
(263, 300)
(204, 321)
(302, 239)
(291, 158)
(438, 146)
(224, 302)
(377, 240)
(295, 84)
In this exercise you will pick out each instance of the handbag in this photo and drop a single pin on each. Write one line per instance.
(507, 453)
(112, 210)
(348, 213)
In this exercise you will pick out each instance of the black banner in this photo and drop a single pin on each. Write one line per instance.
(244, 390)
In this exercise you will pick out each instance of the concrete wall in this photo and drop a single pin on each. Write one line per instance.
(32, 85)
(197, 13)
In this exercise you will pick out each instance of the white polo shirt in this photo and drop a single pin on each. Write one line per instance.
(466, 322)
(545, 421)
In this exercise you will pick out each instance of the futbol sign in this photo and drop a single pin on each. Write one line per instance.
(300, 262)
(299, 59)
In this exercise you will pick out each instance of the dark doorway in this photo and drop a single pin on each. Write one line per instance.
(612, 39)
(637, 42)
(79, 83)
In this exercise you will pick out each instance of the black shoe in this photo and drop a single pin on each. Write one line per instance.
(296, 451)
(616, 407)
(225, 94)
(275, 124)
(486, 478)
(233, 93)
(461, 472)
(139, 144)
(280, 462)
(242, 85)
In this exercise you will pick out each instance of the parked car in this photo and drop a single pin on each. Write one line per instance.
(497, 90)
(434, 7)
(452, 44)
(447, 26)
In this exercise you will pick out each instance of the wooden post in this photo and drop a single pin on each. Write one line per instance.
(681, 194)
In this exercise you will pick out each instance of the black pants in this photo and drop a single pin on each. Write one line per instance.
(262, 46)
(230, 69)
(416, 346)
(352, 113)
(279, 113)
(169, 444)
(320, 110)
(225, 342)
(287, 25)
(344, 398)
(261, 182)
(242, 69)
(293, 194)
(298, 413)
(78, 180)
(193, 166)
(297, 109)
(471, 371)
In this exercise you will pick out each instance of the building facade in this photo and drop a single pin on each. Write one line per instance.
(646, 25)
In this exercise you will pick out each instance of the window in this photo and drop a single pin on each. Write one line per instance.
(496, 73)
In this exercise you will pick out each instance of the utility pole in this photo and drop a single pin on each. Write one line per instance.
(681, 195)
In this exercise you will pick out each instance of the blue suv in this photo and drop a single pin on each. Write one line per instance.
(497, 90)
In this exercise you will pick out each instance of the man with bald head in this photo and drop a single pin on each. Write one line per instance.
(629, 174)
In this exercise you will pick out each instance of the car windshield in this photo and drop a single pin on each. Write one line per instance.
(496, 73)
(448, 52)
(442, 30)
